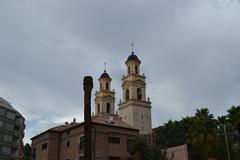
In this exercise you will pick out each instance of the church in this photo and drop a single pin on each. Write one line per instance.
(135, 107)
(114, 131)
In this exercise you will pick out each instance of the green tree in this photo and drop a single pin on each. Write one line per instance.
(234, 117)
(27, 149)
(233, 121)
(202, 135)
(149, 152)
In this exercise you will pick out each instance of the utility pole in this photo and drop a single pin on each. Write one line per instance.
(87, 86)
(226, 139)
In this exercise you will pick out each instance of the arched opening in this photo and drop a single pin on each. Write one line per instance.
(127, 94)
(98, 108)
(108, 107)
(136, 69)
(139, 94)
(107, 86)
(128, 69)
(100, 85)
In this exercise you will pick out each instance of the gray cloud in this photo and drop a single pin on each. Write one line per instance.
(189, 52)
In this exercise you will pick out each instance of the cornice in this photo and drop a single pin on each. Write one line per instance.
(125, 104)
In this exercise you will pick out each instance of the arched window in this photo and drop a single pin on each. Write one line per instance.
(139, 94)
(98, 108)
(108, 107)
(128, 69)
(136, 69)
(100, 85)
(107, 86)
(127, 94)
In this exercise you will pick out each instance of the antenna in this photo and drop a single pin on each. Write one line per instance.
(132, 44)
(105, 66)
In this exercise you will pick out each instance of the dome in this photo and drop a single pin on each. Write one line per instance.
(105, 75)
(132, 57)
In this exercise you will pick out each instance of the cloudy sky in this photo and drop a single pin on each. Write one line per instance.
(189, 51)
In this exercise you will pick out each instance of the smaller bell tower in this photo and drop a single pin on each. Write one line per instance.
(105, 97)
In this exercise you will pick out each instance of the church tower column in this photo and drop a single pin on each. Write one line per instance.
(135, 108)
(105, 97)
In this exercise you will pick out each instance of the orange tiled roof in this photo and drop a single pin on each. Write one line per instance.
(113, 120)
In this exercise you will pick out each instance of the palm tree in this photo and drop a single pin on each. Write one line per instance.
(202, 134)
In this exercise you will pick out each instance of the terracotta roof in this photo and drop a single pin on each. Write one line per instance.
(113, 120)
(59, 128)
(63, 127)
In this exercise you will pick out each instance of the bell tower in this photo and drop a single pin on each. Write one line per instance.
(135, 108)
(105, 97)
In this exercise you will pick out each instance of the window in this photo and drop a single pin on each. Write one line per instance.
(107, 86)
(11, 115)
(68, 133)
(100, 85)
(1, 124)
(142, 116)
(128, 70)
(139, 94)
(136, 69)
(20, 121)
(6, 150)
(114, 140)
(68, 143)
(81, 158)
(127, 94)
(34, 152)
(114, 158)
(130, 144)
(15, 141)
(9, 126)
(81, 145)
(108, 107)
(98, 109)
(8, 138)
(15, 152)
(2, 111)
(44, 146)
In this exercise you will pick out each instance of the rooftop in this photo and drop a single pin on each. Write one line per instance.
(113, 121)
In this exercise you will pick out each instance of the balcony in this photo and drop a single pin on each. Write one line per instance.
(15, 153)
(16, 133)
(15, 144)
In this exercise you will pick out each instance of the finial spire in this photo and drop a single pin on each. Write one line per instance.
(105, 66)
(132, 44)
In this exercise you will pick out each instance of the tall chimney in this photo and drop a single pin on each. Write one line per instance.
(87, 86)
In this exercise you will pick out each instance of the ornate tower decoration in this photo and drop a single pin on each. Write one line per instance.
(135, 108)
(105, 97)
